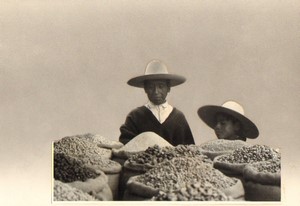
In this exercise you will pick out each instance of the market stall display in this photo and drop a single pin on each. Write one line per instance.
(169, 175)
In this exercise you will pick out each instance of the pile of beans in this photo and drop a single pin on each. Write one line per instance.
(198, 191)
(222, 145)
(251, 154)
(74, 145)
(102, 163)
(100, 140)
(156, 154)
(268, 166)
(168, 175)
(64, 192)
(70, 169)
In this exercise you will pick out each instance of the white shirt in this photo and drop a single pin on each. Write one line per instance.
(161, 112)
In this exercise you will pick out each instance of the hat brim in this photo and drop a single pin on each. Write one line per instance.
(208, 115)
(173, 78)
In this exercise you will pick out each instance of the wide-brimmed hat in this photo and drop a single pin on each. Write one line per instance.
(208, 115)
(156, 70)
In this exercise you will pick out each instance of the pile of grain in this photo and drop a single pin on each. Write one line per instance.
(140, 143)
(75, 146)
(96, 161)
(70, 168)
(64, 192)
(169, 175)
(156, 154)
(251, 154)
(101, 141)
(222, 145)
(272, 166)
(197, 191)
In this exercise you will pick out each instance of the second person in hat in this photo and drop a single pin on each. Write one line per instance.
(157, 115)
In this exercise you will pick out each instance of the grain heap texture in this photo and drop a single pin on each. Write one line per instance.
(70, 168)
(169, 175)
(251, 154)
(101, 141)
(154, 155)
(64, 192)
(96, 161)
(222, 145)
(75, 146)
(272, 166)
(219, 147)
(266, 172)
(140, 143)
(197, 191)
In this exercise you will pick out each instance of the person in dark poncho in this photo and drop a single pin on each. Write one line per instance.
(157, 115)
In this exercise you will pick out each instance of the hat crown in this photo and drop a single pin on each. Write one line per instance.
(234, 106)
(156, 67)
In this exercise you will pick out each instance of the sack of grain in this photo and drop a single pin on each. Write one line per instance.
(140, 143)
(235, 162)
(101, 141)
(64, 192)
(74, 145)
(263, 181)
(171, 175)
(73, 171)
(197, 191)
(219, 147)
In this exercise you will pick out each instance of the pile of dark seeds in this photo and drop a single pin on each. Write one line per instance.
(64, 192)
(198, 191)
(268, 166)
(156, 154)
(74, 145)
(168, 175)
(251, 154)
(69, 169)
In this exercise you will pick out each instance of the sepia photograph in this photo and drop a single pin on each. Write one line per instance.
(161, 102)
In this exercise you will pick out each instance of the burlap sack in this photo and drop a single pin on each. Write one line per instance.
(267, 178)
(142, 190)
(260, 192)
(215, 148)
(229, 168)
(236, 191)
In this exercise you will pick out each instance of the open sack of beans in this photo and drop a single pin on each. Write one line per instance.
(263, 181)
(64, 192)
(219, 147)
(170, 175)
(197, 191)
(235, 162)
(139, 144)
(70, 170)
(152, 156)
(74, 145)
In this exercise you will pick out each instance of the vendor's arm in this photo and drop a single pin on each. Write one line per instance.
(128, 130)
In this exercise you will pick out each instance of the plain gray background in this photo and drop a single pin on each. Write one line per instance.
(64, 67)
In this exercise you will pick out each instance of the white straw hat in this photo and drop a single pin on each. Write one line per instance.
(208, 115)
(156, 70)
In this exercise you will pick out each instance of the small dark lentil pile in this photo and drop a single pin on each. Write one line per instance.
(168, 175)
(64, 192)
(251, 154)
(70, 169)
(198, 191)
(156, 154)
(268, 166)
(74, 145)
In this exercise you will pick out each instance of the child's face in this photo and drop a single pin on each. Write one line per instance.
(225, 128)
